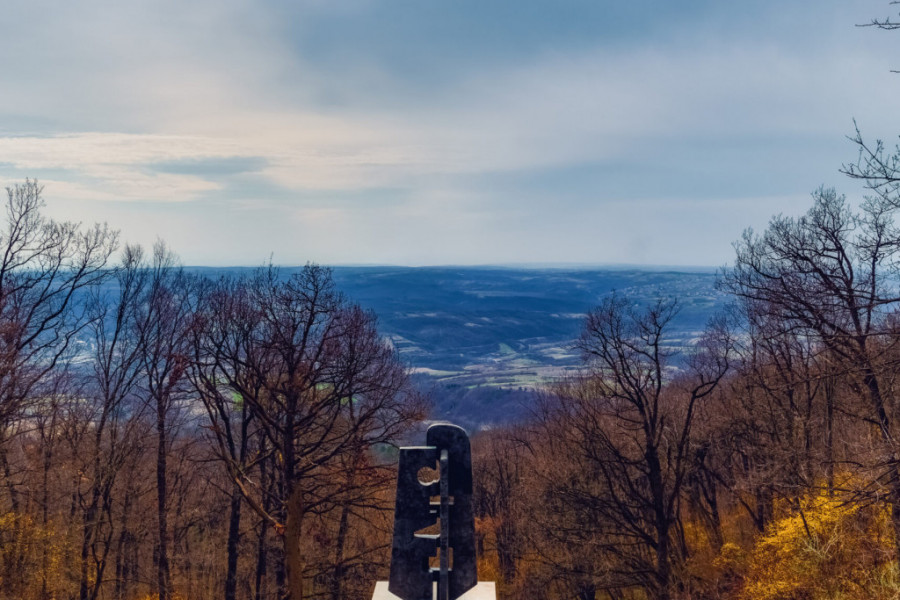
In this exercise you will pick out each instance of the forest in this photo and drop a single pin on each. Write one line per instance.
(167, 434)
(170, 435)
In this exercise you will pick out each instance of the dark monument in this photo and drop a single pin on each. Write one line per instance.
(422, 504)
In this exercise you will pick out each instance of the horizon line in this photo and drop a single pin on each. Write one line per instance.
(512, 266)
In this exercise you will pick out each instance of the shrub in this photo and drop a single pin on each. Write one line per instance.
(825, 548)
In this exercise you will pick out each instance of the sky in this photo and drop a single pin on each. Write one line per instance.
(425, 132)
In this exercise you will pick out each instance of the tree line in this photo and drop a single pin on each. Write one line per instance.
(760, 463)
(171, 436)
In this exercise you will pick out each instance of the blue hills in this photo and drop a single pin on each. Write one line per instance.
(482, 341)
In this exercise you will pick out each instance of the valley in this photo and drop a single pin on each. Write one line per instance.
(482, 341)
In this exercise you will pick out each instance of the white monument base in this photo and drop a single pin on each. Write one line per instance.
(485, 590)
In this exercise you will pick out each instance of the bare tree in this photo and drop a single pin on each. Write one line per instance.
(110, 411)
(319, 380)
(628, 428)
(887, 23)
(772, 437)
(44, 265)
(163, 322)
(877, 167)
(498, 463)
(830, 275)
(230, 417)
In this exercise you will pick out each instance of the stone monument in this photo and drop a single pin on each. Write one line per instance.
(446, 501)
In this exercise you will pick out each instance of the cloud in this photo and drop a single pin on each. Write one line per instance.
(593, 108)
(215, 167)
(380, 130)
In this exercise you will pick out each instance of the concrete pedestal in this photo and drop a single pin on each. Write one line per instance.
(485, 590)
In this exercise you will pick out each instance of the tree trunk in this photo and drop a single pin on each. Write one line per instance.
(234, 536)
(293, 560)
(12, 556)
(506, 548)
(262, 546)
(280, 576)
(829, 433)
(587, 591)
(164, 576)
(123, 550)
(261, 560)
(45, 507)
(663, 564)
(337, 578)
(871, 382)
(663, 524)
(87, 537)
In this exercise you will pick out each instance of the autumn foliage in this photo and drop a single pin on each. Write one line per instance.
(169, 436)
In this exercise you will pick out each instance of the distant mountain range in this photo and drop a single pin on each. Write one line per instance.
(482, 341)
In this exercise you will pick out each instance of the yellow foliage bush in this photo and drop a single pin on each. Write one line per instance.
(731, 559)
(826, 548)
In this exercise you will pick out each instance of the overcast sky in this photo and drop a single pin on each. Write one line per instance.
(440, 131)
